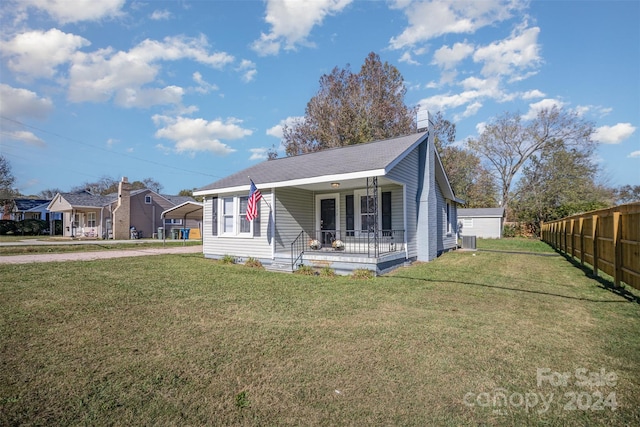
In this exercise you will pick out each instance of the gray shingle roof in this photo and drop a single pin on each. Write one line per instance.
(478, 212)
(83, 198)
(177, 200)
(353, 158)
(23, 205)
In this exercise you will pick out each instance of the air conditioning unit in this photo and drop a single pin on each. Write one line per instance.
(469, 242)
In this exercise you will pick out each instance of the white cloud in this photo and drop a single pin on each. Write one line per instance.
(194, 135)
(66, 11)
(510, 56)
(145, 98)
(408, 59)
(25, 136)
(23, 103)
(258, 153)
(599, 111)
(203, 86)
(160, 15)
(531, 94)
(432, 18)
(100, 75)
(447, 57)
(613, 134)
(545, 104)
(634, 155)
(443, 102)
(277, 130)
(38, 53)
(471, 110)
(248, 69)
(175, 48)
(292, 21)
(480, 127)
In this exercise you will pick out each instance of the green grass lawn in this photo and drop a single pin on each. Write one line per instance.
(181, 340)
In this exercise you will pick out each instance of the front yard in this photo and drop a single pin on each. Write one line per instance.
(473, 338)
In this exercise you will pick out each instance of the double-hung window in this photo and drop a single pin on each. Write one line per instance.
(233, 217)
(91, 219)
(363, 208)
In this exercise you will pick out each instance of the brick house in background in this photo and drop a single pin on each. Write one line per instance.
(87, 215)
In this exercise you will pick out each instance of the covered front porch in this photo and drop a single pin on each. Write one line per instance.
(347, 251)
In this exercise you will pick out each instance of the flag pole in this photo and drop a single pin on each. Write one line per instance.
(263, 199)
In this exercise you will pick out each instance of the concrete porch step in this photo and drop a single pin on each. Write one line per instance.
(280, 267)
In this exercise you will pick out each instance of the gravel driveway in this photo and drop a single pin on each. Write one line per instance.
(87, 256)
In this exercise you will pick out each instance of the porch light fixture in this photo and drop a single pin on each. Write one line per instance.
(335, 184)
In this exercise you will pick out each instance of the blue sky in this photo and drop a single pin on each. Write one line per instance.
(187, 92)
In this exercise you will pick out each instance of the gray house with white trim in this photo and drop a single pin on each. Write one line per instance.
(375, 206)
(484, 223)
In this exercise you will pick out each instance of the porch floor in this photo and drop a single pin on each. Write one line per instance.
(343, 262)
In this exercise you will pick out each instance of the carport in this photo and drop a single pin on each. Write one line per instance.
(183, 211)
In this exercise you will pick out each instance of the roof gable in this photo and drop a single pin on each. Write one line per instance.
(374, 157)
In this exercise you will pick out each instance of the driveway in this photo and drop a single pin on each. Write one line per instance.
(88, 256)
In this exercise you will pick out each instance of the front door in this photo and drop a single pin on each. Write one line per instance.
(327, 220)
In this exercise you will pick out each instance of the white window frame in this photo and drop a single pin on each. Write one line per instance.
(235, 214)
(357, 201)
(91, 219)
(148, 199)
(448, 218)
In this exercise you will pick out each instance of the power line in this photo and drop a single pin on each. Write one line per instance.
(75, 141)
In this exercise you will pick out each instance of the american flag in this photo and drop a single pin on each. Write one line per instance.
(252, 204)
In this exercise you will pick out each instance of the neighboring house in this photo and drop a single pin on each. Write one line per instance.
(375, 206)
(32, 209)
(484, 223)
(112, 216)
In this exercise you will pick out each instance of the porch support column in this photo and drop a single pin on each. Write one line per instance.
(372, 197)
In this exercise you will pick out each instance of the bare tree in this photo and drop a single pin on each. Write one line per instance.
(508, 142)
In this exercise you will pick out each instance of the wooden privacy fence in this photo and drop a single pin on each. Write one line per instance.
(607, 239)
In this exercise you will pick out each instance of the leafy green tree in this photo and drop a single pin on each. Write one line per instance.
(7, 180)
(559, 181)
(469, 179)
(352, 108)
(508, 143)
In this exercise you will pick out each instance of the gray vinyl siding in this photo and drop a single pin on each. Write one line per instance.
(243, 247)
(446, 241)
(405, 172)
(397, 210)
(295, 212)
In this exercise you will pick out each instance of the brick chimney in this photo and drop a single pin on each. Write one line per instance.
(122, 212)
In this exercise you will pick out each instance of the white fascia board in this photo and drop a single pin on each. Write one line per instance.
(295, 182)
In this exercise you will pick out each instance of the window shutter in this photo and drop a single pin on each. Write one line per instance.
(350, 214)
(214, 216)
(386, 211)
